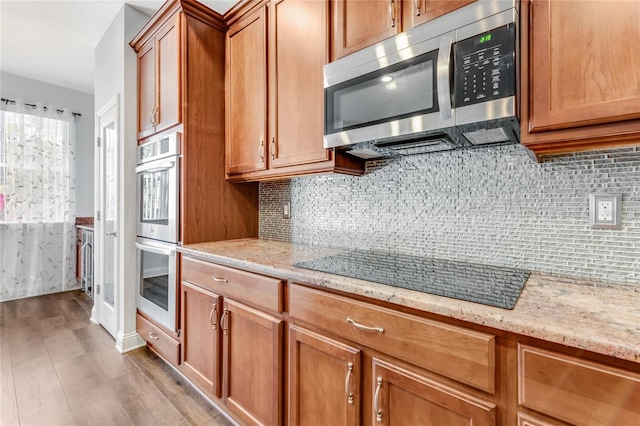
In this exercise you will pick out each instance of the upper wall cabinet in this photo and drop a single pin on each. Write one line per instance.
(275, 102)
(158, 80)
(580, 66)
(358, 24)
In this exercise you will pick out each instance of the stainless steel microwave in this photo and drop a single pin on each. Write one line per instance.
(448, 83)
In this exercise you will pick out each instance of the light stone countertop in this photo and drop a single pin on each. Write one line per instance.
(591, 315)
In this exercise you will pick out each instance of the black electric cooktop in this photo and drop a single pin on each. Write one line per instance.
(489, 285)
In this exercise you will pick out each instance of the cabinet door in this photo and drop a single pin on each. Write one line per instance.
(297, 56)
(168, 57)
(247, 95)
(324, 380)
(200, 338)
(361, 23)
(416, 12)
(146, 89)
(252, 352)
(583, 63)
(401, 397)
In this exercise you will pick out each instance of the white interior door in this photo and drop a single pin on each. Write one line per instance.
(107, 237)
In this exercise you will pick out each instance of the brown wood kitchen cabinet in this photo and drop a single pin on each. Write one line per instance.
(356, 365)
(158, 80)
(275, 92)
(233, 339)
(580, 75)
(358, 24)
(200, 312)
(575, 390)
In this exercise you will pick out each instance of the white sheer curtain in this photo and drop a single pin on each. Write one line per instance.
(37, 201)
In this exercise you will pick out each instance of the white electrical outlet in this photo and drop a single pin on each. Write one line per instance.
(604, 211)
(286, 210)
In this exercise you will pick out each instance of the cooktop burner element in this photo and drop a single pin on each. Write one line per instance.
(489, 285)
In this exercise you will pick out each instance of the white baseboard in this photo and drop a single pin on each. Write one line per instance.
(128, 342)
(94, 314)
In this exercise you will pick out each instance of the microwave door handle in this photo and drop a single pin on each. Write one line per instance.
(156, 250)
(156, 167)
(442, 77)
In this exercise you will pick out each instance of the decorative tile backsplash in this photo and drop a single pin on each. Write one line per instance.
(493, 205)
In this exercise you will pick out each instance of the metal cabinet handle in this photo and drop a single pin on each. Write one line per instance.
(416, 3)
(111, 234)
(376, 401)
(152, 116)
(364, 327)
(156, 116)
(261, 150)
(224, 328)
(153, 336)
(392, 13)
(219, 280)
(347, 383)
(272, 148)
(214, 309)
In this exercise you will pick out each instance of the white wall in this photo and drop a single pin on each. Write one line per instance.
(13, 86)
(116, 74)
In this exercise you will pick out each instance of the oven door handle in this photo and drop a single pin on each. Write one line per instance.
(156, 167)
(156, 250)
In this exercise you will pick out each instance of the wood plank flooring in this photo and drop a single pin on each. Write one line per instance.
(58, 368)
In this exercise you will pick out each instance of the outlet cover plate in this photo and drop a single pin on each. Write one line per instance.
(605, 211)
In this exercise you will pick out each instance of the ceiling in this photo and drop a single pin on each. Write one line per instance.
(54, 40)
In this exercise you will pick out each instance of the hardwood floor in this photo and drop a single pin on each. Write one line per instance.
(58, 368)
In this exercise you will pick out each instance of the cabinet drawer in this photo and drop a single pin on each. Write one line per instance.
(575, 390)
(158, 340)
(463, 355)
(256, 290)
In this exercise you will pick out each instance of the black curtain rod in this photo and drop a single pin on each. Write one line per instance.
(59, 111)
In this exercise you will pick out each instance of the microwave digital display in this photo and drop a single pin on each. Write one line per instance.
(486, 67)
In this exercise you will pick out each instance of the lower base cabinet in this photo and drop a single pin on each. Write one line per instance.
(401, 397)
(200, 337)
(159, 340)
(252, 352)
(324, 380)
(350, 362)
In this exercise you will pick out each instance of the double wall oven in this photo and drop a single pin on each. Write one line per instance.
(158, 185)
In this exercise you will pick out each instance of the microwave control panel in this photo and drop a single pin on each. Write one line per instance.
(485, 67)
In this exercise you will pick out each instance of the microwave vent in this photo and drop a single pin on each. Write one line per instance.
(365, 154)
(487, 136)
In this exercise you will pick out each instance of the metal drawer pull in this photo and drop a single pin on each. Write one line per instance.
(222, 318)
(376, 401)
(417, 5)
(364, 327)
(347, 383)
(261, 150)
(153, 336)
(219, 280)
(214, 308)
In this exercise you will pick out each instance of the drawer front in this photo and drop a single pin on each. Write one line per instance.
(575, 390)
(158, 340)
(463, 355)
(256, 290)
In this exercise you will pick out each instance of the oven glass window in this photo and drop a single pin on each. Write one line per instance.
(155, 278)
(399, 91)
(154, 197)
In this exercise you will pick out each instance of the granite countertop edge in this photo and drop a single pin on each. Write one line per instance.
(571, 312)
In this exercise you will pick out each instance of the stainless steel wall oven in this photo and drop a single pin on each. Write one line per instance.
(158, 201)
